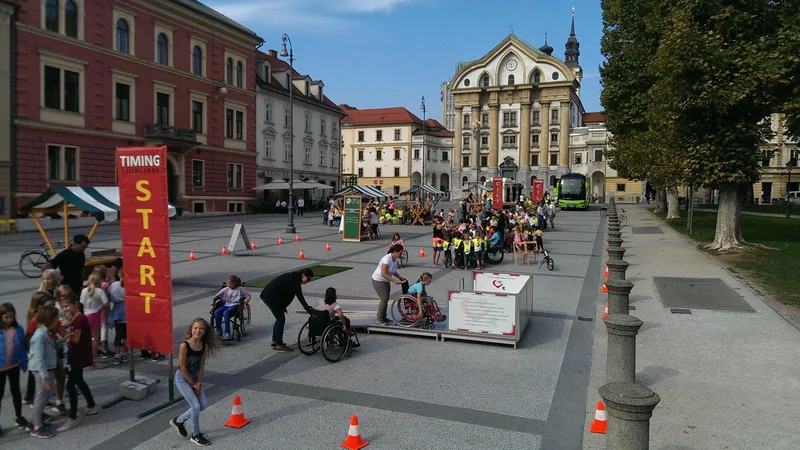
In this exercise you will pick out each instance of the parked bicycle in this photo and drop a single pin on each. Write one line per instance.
(32, 262)
(546, 259)
(623, 218)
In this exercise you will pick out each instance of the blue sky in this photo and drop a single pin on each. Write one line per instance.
(382, 53)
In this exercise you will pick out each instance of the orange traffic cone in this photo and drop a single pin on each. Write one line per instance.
(191, 256)
(605, 274)
(301, 255)
(253, 245)
(224, 251)
(327, 246)
(605, 313)
(237, 419)
(297, 237)
(421, 252)
(354, 441)
(605, 288)
(600, 423)
(280, 240)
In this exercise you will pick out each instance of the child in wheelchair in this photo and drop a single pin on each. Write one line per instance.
(333, 309)
(425, 303)
(228, 302)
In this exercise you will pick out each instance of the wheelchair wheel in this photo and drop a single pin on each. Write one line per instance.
(405, 311)
(335, 342)
(404, 258)
(237, 334)
(247, 316)
(550, 264)
(307, 344)
(242, 323)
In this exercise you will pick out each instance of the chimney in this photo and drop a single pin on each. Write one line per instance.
(273, 53)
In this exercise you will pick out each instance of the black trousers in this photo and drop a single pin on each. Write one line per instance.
(75, 379)
(13, 385)
(30, 388)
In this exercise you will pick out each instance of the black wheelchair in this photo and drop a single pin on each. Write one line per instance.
(239, 321)
(322, 332)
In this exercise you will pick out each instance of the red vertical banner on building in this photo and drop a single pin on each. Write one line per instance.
(538, 191)
(144, 225)
(497, 193)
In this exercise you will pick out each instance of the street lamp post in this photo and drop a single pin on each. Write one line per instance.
(788, 187)
(476, 135)
(422, 107)
(285, 38)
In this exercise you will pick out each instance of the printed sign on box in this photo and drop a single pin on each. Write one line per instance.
(505, 283)
(482, 312)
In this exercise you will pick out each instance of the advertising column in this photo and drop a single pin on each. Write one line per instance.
(497, 193)
(144, 226)
(538, 191)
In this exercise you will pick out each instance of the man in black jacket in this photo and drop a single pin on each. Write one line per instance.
(278, 294)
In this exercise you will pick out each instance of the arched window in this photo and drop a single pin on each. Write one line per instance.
(511, 80)
(197, 61)
(485, 81)
(163, 49)
(483, 180)
(552, 180)
(537, 76)
(123, 33)
(239, 74)
(51, 15)
(464, 181)
(229, 71)
(71, 19)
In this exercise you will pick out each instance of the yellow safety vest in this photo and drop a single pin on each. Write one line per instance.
(467, 247)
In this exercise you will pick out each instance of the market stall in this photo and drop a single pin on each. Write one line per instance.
(369, 197)
(420, 200)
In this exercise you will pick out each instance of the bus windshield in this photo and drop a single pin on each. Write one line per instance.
(572, 188)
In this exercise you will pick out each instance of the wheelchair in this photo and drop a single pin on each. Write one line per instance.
(322, 332)
(239, 321)
(406, 313)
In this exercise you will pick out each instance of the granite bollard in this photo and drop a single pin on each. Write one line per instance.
(621, 358)
(629, 407)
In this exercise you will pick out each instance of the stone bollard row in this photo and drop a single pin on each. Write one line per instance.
(629, 407)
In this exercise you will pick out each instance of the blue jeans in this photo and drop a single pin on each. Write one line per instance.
(197, 402)
(280, 322)
(227, 312)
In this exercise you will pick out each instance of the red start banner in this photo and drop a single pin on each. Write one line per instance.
(144, 225)
(538, 191)
(497, 193)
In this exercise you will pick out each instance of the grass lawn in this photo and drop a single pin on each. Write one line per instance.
(319, 272)
(770, 209)
(770, 258)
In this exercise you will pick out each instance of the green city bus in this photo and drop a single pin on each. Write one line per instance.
(572, 191)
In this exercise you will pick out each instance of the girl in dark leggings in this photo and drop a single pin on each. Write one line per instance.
(10, 368)
(80, 357)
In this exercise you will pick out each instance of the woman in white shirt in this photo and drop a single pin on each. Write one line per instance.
(383, 276)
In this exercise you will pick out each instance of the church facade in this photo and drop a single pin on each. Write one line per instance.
(514, 111)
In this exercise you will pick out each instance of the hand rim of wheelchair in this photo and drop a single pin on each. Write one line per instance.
(308, 345)
(407, 320)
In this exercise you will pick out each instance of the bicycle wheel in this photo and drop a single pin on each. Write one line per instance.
(247, 316)
(494, 255)
(550, 264)
(335, 342)
(404, 259)
(307, 344)
(623, 221)
(32, 262)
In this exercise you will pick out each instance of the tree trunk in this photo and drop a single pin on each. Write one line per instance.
(661, 201)
(673, 203)
(729, 218)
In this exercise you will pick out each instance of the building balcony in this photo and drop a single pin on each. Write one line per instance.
(171, 134)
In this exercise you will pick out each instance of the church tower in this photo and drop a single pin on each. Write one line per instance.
(572, 47)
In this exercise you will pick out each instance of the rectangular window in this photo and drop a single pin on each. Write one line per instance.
(360, 172)
(334, 158)
(396, 172)
(268, 111)
(377, 172)
(466, 141)
(396, 190)
(333, 129)
(162, 108)
(52, 87)
(378, 135)
(197, 116)
(554, 138)
(235, 175)
(465, 161)
(378, 155)
(554, 117)
(199, 207)
(361, 155)
(509, 141)
(322, 126)
(235, 207)
(534, 160)
(554, 159)
(396, 154)
(308, 122)
(484, 161)
(485, 120)
(322, 156)
(509, 119)
(123, 95)
(445, 156)
(360, 136)
(416, 153)
(287, 117)
(484, 141)
(239, 125)
(396, 135)
(229, 123)
(536, 119)
(467, 123)
(578, 158)
(62, 163)
(198, 173)
(268, 151)
(287, 151)
(307, 155)
(535, 139)
(598, 155)
(72, 91)
(620, 187)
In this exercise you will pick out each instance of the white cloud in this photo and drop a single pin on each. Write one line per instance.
(369, 6)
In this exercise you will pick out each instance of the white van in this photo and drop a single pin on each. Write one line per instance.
(793, 196)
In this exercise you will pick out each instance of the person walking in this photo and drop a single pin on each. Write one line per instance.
(42, 361)
(71, 262)
(301, 206)
(278, 294)
(13, 359)
(79, 357)
(382, 277)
